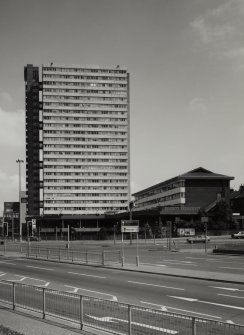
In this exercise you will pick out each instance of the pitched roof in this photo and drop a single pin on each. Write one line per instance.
(198, 173)
(202, 173)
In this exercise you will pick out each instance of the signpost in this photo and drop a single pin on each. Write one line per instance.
(130, 226)
(204, 220)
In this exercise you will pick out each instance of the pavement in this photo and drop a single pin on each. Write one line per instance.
(29, 324)
(35, 326)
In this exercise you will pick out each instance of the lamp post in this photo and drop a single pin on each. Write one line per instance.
(19, 161)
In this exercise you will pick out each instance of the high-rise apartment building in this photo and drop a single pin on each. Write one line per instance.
(77, 139)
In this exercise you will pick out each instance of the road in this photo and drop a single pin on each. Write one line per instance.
(202, 298)
(157, 254)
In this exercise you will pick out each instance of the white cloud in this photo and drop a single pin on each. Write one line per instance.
(12, 128)
(236, 55)
(221, 30)
(12, 143)
(212, 32)
(5, 99)
(10, 185)
(198, 106)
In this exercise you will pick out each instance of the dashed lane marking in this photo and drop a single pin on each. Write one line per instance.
(155, 285)
(166, 308)
(7, 263)
(231, 296)
(227, 288)
(226, 267)
(176, 260)
(37, 267)
(153, 264)
(86, 275)
(163, 308)
(75, 289)
(207, 302)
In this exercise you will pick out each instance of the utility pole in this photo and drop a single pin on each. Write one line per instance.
(19, 161)
(131, 205)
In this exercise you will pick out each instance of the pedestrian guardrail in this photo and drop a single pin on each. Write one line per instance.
(72, 255)
(115, 317)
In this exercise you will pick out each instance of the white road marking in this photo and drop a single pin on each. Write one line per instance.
(153, 264)
(227, 288)
(187, 311)
(175, 263)
(175, 260)
(208, 302)
(163, 308)
(231, 296)
(2, 274)
(35, 279)
(23, 278)
(7, 263)
(114, 298)
(110, 319)
(183, 298)
(83, 274)
(225, 267)
(36, 267)
(195, 257)
(148, 284)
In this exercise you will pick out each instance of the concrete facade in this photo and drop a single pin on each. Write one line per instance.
(198, 188)
(84, 148)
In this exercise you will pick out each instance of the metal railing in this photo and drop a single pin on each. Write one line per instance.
(72, 255)
(117, 318)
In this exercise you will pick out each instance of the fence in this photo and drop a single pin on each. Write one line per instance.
(110, 316)
(76, 256)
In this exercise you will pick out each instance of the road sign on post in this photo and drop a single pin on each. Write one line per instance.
(130, 226)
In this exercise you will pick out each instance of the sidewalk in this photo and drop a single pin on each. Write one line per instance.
(30, 324)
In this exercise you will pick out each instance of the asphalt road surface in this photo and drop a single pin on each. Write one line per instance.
(200, 298)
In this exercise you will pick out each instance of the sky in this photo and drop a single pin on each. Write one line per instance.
(186, 64)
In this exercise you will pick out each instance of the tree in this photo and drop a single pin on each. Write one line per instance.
(221, 214)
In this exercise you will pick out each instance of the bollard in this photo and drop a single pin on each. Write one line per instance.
(194, 329)
(81, 312)
(43, 303)
(129, 319)
(13, 295)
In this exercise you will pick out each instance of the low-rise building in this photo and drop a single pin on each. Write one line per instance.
(183, 199)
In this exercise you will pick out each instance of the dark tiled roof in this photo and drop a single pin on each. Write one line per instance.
(201, 173)
(198, 173)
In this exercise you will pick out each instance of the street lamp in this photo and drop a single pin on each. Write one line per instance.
(19, 161)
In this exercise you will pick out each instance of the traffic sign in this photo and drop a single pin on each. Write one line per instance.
(129, 229)
(129, 226)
